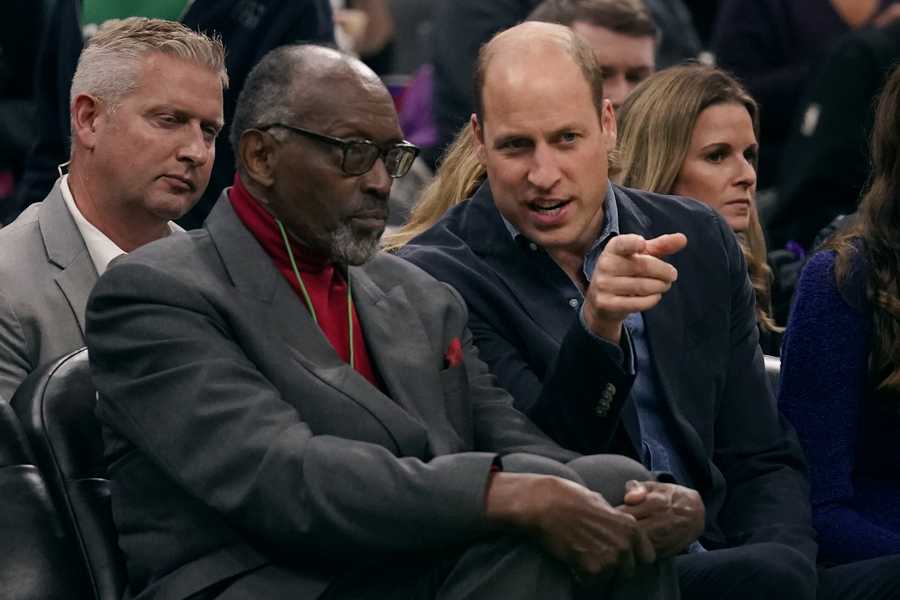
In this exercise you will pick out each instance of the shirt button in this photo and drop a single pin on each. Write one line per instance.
(532, 246)
(573, 302)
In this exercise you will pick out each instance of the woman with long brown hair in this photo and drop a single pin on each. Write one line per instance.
(841, 364)
(692, 131)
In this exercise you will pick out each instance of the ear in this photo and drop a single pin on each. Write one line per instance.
(608, 123)
(478, 132)
(257, 154)
(85, 112)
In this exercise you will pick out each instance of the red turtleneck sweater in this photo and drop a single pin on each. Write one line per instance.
(326, 286)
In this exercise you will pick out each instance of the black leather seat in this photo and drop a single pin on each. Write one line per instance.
(36, 555)
(56, 408)
(773, 370)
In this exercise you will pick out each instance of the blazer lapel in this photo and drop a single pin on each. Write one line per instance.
(533, 290)
(66, 249)
(401, 351)
(253, 273)
(665, 327)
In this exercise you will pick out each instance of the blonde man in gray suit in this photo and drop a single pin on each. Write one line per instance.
(146, 106)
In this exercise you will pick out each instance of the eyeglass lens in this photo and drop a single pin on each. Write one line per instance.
(359, 157)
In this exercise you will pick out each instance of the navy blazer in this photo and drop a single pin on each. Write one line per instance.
(743, 457)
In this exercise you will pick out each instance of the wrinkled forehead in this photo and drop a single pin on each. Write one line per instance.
(319, 90)
(345, 103)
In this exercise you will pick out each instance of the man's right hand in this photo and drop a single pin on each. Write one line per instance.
(575, 525)
(630, 276)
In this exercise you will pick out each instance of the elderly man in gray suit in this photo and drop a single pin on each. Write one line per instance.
(288, 413)
(146, 105)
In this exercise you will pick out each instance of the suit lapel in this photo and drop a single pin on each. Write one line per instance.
(66, 249)
(534, 289)
(253, 273)
(401, 350)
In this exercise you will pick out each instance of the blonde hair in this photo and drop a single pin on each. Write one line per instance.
(109, 67)
(457, 178)
(656, 123)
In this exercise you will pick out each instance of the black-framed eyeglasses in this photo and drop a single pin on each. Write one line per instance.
(358, 156)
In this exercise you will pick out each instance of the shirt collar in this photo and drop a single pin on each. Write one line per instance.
(101, 249)
(609, 229)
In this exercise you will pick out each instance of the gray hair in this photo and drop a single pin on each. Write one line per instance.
(266, 93)
(110, 65)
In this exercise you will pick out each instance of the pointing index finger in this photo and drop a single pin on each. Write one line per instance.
(666, 244)
(626, 244)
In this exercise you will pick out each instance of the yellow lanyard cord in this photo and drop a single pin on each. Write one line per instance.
(308, 300)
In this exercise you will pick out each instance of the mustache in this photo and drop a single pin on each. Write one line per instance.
(371, 207)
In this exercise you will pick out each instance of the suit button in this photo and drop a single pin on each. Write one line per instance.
(573, 302)
(601, 409)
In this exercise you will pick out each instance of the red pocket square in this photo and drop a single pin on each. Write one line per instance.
(454, 355)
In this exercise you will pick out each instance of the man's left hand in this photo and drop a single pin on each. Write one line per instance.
(671, 515)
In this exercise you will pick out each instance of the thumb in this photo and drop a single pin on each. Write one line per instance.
(666, 244)
(635, 492)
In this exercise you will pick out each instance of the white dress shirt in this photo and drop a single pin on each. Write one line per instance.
(101, 248)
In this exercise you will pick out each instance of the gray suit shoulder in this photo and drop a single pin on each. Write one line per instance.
(398, 271)
(20, 241)
(182, 252)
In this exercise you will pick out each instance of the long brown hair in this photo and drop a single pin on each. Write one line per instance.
(656, 123)
(876, 233)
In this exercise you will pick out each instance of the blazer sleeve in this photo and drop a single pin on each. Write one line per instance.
(755, 447)
(15, 361)
(579, 400)
(824, 383)
(174, 382)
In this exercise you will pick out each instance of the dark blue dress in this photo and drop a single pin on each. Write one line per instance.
(852, 445)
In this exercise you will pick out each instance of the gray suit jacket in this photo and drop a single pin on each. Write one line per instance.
(238, 440)
(46, 274)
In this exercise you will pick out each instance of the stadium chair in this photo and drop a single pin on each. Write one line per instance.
(56, 408)
(36, 555)
(773, 370)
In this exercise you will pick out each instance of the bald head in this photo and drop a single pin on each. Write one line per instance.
(300, 81)
(513, 52)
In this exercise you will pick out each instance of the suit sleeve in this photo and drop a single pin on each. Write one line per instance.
(174, 382)
(755, 448)
(15, 363)
(824, 383)
(568, 404)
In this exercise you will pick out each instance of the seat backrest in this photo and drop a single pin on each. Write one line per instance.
(773, 371)
(56, 408)
(37, 556)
